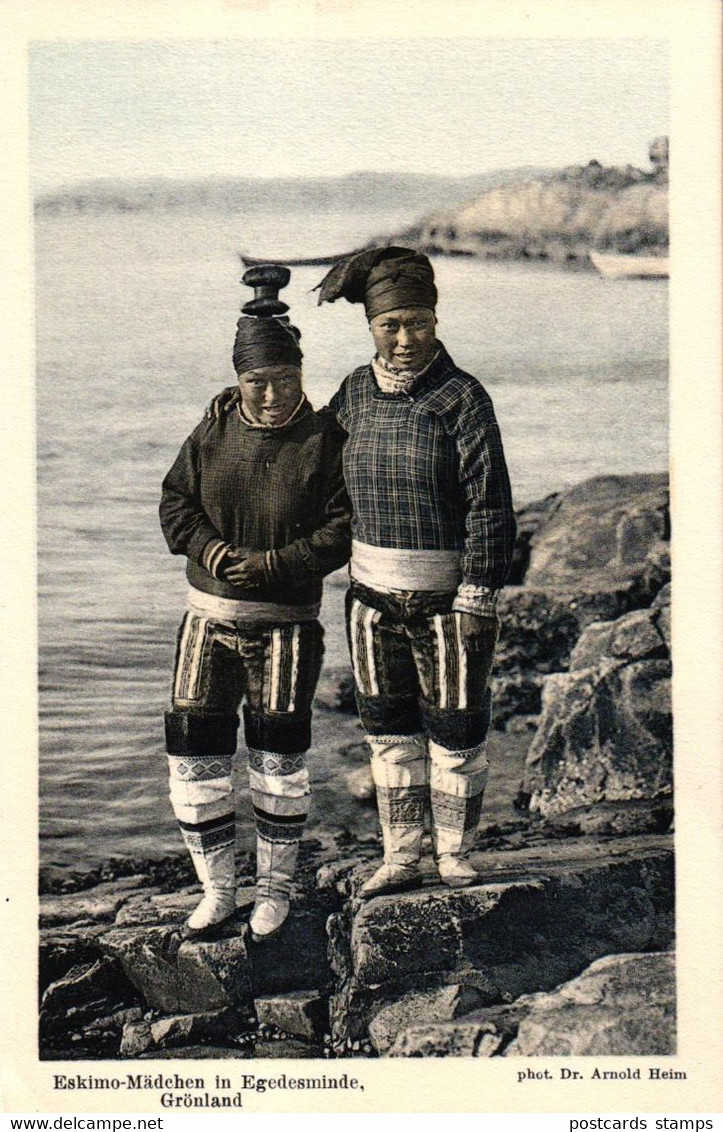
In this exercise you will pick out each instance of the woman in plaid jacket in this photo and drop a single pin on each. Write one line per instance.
(433, 531)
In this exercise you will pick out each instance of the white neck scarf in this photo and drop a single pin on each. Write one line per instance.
(393, 380)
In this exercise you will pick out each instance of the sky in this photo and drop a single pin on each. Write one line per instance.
(324, 108)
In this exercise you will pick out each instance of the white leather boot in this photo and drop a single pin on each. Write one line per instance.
(281, 795)
(216, 871)
(275, 867)
(457, 782)
(399, 771)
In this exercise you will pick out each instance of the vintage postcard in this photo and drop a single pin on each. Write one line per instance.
(361, 441)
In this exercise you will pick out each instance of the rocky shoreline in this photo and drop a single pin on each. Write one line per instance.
(565, 946)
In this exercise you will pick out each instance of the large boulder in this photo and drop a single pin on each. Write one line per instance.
(445, 1002)
(589, 554)
(296, 958)
(606, 733)
(621, 1006)
(601, 534)
(210, 1028)
(83, 994)
(538, 917)
(182, 977)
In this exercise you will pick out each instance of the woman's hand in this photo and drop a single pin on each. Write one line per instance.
(478, 632)
(246, 568)
(223, 402)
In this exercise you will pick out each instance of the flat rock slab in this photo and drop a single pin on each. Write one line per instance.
(483, 1033)
(296, 958)
(539, 917)
(606, 526)
(302, 1014)
(194, 1029)
(136, 1038)
(114, 1023)
(93, 905)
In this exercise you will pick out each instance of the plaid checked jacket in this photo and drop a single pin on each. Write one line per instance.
(426, 470)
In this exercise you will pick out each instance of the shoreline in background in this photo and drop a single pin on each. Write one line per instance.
(558, 216)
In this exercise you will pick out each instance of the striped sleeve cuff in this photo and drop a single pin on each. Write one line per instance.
(479, 600)
(212, 556)
(269, 567)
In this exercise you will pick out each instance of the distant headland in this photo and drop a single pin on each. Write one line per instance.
(559, 216)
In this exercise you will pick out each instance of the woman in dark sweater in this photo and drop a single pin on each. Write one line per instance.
(256, 501)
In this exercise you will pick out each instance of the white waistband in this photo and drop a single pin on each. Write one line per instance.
(230, 609)
(387, 569)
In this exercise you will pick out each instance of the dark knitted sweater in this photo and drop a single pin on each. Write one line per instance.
(271, 489)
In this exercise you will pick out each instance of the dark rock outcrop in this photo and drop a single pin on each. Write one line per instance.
(583, 874)
(539, 917)
(96, 905)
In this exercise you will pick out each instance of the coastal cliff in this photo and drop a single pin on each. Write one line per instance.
(564, 947)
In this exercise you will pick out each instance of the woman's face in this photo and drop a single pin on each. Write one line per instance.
(270, 394)
(405, 338)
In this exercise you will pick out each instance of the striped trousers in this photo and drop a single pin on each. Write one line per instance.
(274, 670)
(424, 702)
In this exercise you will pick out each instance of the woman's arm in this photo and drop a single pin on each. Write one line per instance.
(185, 525)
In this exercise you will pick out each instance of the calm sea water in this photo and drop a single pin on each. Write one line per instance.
(135, 322)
